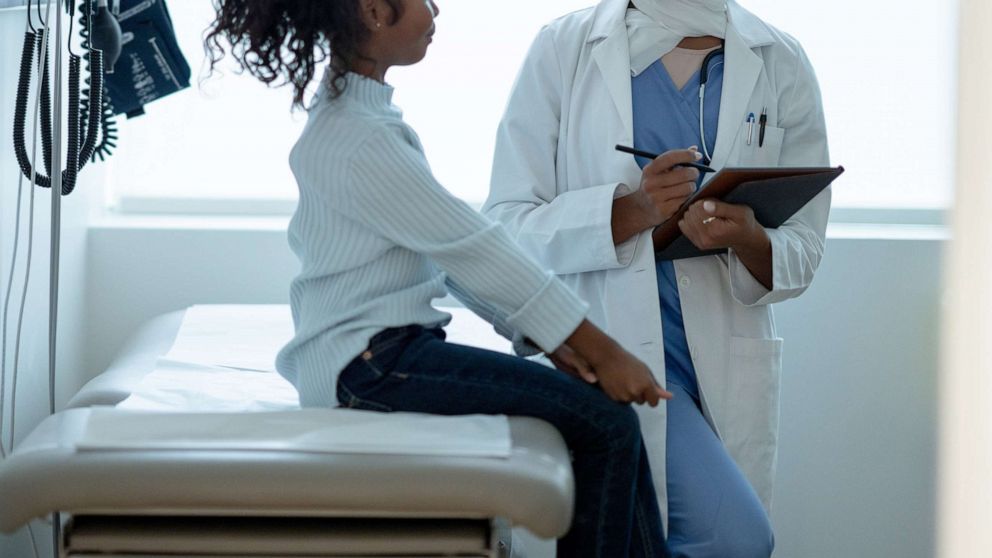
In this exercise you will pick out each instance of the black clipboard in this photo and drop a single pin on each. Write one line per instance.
(775, 195)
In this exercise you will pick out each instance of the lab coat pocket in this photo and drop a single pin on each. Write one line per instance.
(767, 153)
(752, 432)
(755, 366)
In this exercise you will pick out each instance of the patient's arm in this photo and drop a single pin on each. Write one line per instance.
(486, 311)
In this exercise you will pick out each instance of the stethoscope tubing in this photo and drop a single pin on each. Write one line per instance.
(703, 78)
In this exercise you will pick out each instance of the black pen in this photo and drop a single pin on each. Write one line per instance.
(652, 156)
(763, 120)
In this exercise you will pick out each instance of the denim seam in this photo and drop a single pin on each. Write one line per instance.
(552, 399)
(353, 399)
(642, 526)
(600, 526)
(379, 373)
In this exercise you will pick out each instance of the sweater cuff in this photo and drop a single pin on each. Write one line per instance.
(550, 316)
(524, 347)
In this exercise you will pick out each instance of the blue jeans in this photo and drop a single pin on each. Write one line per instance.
(413, 369)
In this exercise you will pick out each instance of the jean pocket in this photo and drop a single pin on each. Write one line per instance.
(349, 400)
(386, 348)
(363, 385)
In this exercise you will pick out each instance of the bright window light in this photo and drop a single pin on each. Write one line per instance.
(888, 73)
(889, 97)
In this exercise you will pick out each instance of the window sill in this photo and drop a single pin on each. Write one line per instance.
(114, 221)
(260, 223)
(273, 215)
(236, 207)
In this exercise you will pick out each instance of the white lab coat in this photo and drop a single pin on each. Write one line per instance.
(556, 174)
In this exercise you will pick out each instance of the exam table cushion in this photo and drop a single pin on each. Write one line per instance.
(532, 488)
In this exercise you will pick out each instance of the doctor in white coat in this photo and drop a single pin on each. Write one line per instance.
(562, 191)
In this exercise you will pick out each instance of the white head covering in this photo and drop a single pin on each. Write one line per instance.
(656, 27)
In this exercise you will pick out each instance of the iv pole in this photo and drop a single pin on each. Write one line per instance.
(56, 190)
(53, 310)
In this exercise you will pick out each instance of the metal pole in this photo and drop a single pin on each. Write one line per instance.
(53, 311)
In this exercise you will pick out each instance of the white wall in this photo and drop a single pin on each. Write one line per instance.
(857, 454)
(32, 403)
(856, 465)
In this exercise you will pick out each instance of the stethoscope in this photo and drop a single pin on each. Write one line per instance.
(704, 76)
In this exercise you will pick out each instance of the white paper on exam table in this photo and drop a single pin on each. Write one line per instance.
(181, 386)
(248, 337)
(236, 336)
(187, 390)
(307, 431)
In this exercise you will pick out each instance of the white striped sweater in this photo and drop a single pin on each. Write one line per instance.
(378, 237)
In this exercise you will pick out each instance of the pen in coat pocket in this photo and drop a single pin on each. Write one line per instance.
(762, 121)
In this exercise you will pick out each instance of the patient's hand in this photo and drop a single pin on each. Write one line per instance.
(628, 380)
(622, 376)
(567, 360)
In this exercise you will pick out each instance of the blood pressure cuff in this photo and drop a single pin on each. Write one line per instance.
(151, 65)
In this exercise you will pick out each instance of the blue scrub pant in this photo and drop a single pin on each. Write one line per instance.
(713, 511)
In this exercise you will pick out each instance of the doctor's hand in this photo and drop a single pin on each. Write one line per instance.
(665, 187)
(715, 225)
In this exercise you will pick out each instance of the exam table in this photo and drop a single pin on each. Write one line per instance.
(154, 499)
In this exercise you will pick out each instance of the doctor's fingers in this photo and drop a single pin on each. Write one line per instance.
(669, 159)
(670, 177)
(712, 235)
(698, 233)
(661, 188)
(715, 208)
(723, 214)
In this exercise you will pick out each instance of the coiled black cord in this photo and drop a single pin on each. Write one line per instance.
(69, 175)
(79, 150)
(89, 121)
(46, 109)
(21, 102)
(73, 165)
(95, 94)
(109, 126)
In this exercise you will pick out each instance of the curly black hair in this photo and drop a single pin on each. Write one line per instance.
(273, 39)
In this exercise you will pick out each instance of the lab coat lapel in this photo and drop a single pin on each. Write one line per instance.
(741, 70)
(612, 57)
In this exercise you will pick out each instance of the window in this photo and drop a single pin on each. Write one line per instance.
(888, 73)
(173, 158)
(886, 68)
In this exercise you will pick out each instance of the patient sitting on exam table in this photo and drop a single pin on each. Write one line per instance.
(378, 239)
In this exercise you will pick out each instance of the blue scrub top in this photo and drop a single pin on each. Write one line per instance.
(666, 118)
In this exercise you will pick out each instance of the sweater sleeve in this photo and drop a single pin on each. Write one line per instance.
(396, 195)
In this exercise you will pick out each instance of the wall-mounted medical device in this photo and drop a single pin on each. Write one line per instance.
(151, 65)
